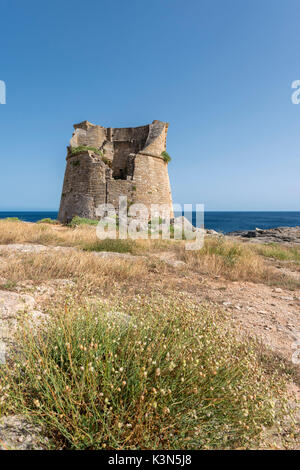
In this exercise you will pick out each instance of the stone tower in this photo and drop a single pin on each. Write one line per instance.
(122, 162)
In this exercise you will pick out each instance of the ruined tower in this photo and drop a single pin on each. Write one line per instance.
(105, 163)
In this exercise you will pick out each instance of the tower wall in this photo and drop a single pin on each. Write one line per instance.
(84, 186)
(151, 181)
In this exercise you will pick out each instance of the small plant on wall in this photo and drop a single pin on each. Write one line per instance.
(107, 161)
(84, 148)
(166, 156)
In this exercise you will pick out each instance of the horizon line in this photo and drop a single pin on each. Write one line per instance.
(227, 210)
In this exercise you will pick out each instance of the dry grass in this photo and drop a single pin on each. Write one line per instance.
(82, 236)
(220, 256)
(45, 234)
(110, 395)
(85, 268)
(234, 261)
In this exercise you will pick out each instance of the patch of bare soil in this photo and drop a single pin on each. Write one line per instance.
(271, 314)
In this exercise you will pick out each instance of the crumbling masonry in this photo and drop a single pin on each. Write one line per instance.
(128, 162)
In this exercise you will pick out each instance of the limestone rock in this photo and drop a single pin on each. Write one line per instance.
(116, 255)
(13, 307)
(17, 433)
(176, 263)
(23, 248)
(11, 304)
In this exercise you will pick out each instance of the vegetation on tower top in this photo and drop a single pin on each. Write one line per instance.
(84, 148)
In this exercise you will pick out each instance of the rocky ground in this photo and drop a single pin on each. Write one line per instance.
(271, 314)
(274, 235)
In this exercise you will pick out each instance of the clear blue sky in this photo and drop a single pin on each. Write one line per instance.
(220, 71)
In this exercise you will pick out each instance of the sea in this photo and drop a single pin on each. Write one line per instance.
(220, 221)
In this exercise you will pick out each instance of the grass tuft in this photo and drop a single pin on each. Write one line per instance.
(220, 256)
(162, 374)
(279, 252)
(47, 220)
(82, 221)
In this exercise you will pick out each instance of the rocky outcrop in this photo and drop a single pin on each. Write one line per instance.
(17, 433)
(13, 308)
(279, 235)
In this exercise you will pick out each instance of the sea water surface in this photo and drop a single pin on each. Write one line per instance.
(220, 221)
(231, 221)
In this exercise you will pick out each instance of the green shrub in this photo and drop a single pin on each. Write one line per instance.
(166, 156)
(47, 220)
(118, 246)
(84, 148)
(82, 221)
(168, 376)
(12, 219)
(9, 285)
(230, 253)
(281, 253)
